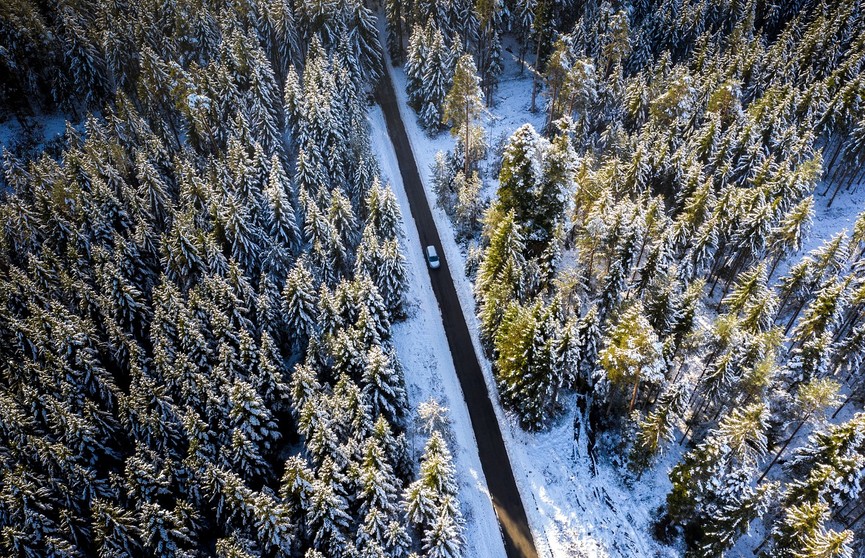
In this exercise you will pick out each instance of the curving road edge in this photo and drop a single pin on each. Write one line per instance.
(493, 455)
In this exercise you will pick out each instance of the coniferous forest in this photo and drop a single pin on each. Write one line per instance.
(198, 284)
(638, 259)
(200, 276)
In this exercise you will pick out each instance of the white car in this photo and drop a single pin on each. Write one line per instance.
(432, 257)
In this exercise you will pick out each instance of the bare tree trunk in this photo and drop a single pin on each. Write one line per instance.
(693, 421)
(783, 448)
(842, 405)
(717, 266)
(466, 146)
(793, 317)
(537, 74)
(634, 396)
(775, 265)
(831, 170)
(856, 520)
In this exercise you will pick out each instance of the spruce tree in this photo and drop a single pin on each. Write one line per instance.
(430, 502)
(802, 532)
(435, 82)
(462, 106)
(384, 386)
(299, 302)
(499, 277)
(415, 66)
(631, 355)
(712, 493)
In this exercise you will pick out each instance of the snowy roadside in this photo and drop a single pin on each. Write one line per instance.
(571, 513)
(425, 356)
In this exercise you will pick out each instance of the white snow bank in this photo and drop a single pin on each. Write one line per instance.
(425, 355)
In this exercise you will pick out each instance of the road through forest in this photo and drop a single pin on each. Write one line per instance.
(494, 457)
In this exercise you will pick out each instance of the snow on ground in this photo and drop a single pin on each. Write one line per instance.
(41, 129)
(829, 221)
(424, 353)
(571, 513)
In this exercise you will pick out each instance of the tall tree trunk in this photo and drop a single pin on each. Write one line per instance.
(466, 146)
(634, 396)
(702, 373)
(775, 263)
(793, 317)
(539, 19)
(693, 420)
(783, 448)
(537, 74)
(639, 257)
(717, 265)
(842, 405)
(831, 166)
(856, 520)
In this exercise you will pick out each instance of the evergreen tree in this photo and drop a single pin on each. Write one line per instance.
(283, 223)
(436, 81)
(462, 106)
(430, 502)
(415, 66)
(829, 468)
(499, 277)
(299, 302)
(524, 364)
(535, 180)
(384, 386)
(395, 22)
(469, 204)
(716, 476)
(802, 532)
(631, 354)
(657, 428)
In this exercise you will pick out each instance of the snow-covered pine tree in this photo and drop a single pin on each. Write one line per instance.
(384, 386)
(499, 279)
(395, 22)
(415, 66)
(462, 105)
(469, 204)
(436, 80)
(392, 278)
(830, 467)
(383, 211)
(430, 502)
(631, 356)
(378, 496)
(658, 427)
(535, 180)
(299, 303)
(788, 235)
(713, 481)
(283, 222)
(802, 532)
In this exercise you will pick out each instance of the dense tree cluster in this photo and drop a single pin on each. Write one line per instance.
(633, 255)
(196, 291)
(432, 34)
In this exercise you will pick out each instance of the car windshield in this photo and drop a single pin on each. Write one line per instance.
(433, 258)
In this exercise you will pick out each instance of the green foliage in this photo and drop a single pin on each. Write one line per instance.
(463, 104)
(631, 353)
(535, 181)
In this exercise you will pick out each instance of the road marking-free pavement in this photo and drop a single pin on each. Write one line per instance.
(493, 455)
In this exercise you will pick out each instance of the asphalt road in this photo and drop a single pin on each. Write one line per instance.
(494, 458)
